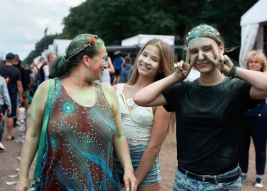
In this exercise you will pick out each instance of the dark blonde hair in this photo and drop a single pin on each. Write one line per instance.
(260, 56)
(167, 66)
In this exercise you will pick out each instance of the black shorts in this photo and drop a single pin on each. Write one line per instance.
(118, 72)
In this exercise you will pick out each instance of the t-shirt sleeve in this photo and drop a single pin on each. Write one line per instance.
(171, 96)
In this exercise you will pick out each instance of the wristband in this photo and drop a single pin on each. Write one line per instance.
(232, 73)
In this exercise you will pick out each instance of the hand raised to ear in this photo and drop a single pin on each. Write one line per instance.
(182, 69)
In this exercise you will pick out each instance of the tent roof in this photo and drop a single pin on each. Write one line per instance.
(256, 14)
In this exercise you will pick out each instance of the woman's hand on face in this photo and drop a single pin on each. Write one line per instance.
(182, 69)
(222, 62)
(129, 181)
(22, 185)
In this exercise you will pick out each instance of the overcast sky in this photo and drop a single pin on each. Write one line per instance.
(22, 23)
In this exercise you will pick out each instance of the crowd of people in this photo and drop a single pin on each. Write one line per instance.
(104, 131)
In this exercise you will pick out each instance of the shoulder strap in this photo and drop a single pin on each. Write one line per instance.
(48, 107)
(119, 89)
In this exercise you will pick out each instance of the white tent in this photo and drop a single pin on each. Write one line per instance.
(60, 46)
(253, 23)
(141, 39)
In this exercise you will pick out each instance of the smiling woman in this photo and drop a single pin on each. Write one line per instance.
(84, 126)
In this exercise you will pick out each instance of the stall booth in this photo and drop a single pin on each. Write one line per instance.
(131, 46)
(253, 30)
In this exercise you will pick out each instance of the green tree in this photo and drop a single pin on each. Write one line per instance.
(39, 48)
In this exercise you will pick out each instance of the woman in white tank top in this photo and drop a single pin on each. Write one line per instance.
(145, 127)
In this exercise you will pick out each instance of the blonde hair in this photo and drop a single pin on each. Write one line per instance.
(259, 56)
(167, 66)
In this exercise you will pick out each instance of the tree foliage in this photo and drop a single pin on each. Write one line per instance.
(116, 20)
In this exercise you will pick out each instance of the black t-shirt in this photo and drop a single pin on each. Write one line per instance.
(22, 75)
(209, 123)
(13, 75)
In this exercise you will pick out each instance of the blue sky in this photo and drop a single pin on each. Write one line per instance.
(22, 23)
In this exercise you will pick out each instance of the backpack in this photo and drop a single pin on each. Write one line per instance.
(41, 74)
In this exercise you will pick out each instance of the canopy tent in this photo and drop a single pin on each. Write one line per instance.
(253, 23)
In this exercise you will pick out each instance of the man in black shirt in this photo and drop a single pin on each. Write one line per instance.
(13, 80)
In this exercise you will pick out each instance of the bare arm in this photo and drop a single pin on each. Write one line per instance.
(20, 89)
(120, 142)
(158, 134)
(111, 67)
(35, 71)
(155, 97)
(258, 80)
(33, 134)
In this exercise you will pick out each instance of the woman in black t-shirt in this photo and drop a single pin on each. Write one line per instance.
(209, 111)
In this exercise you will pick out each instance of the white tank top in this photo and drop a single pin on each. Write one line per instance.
(137, 124)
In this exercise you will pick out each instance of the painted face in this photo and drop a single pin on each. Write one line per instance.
(254, 64)
(200, 45)
(148, 62)
(99, 64)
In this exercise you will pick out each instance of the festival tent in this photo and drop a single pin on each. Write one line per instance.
(253, 30)
(132, 44)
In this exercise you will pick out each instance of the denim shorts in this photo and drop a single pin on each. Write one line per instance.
(183, 183)
(153, 176)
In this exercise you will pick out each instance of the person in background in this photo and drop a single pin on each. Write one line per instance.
(4, 103)
(44, 69)
(17, 63)
(209, 111)
(255, 125)
(14, 85)
(84, 128)
(36, 74)
(126, 71)
(118, 61)
(28, 73)
(145, 128)
(111, 69)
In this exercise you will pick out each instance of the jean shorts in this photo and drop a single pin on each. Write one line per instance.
(153, 176)
(182, 183)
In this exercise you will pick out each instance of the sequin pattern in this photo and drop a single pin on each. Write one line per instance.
(79, 145)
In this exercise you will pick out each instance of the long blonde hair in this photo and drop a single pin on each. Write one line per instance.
(167, 66)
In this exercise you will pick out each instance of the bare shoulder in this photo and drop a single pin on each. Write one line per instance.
(110, 94)
(42, 90)
(107, 88)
